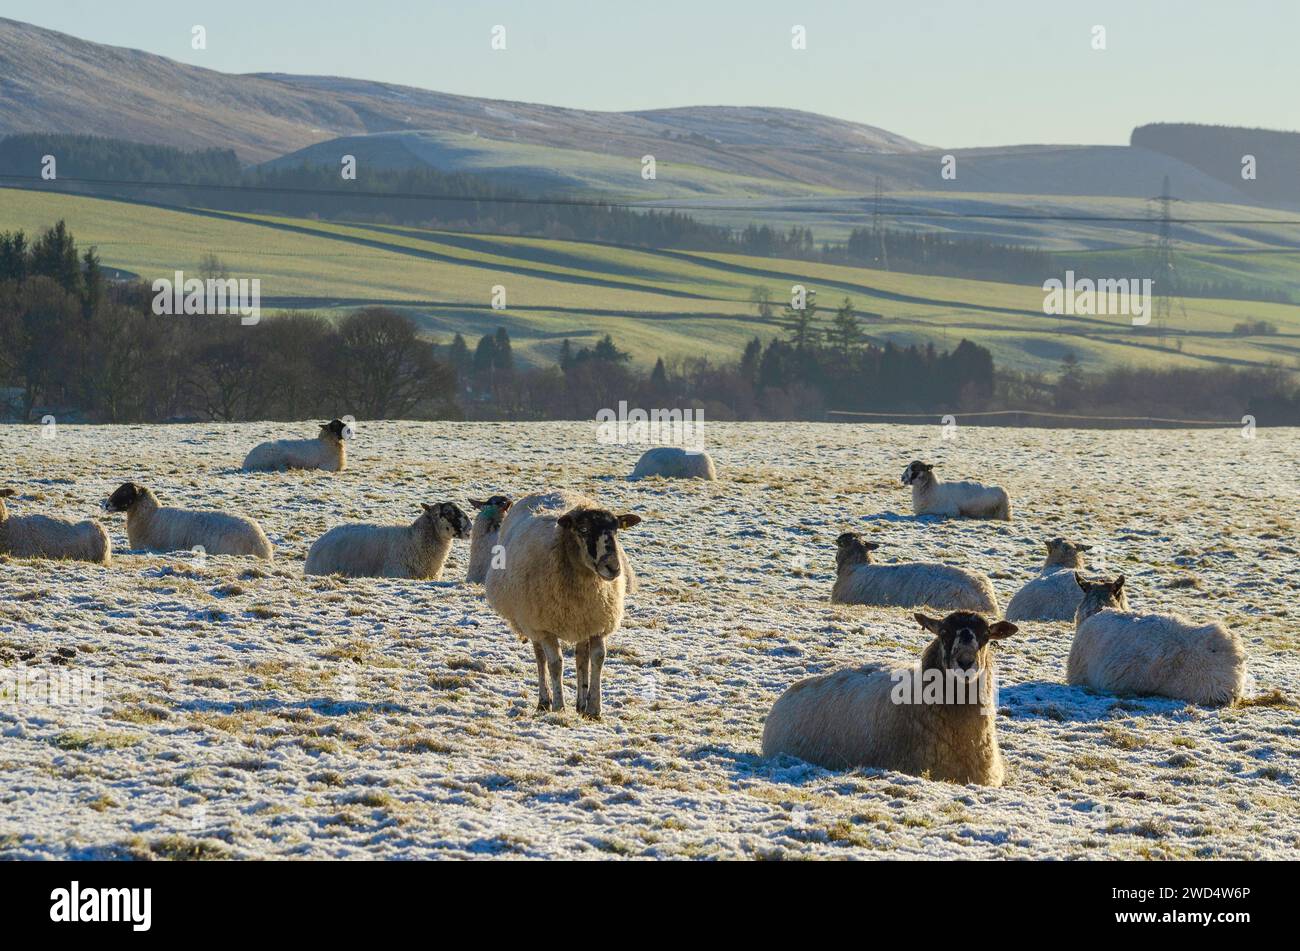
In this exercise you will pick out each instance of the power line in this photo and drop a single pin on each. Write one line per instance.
(650, 204)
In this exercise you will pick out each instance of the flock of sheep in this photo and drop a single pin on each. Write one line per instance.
(856, 718)
(553, 568)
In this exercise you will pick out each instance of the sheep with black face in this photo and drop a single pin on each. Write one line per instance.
(328, 451)
(483, 537)
(935, 719)
(911, 584)
(1053, 595)
(418, 550)
(930, 496)
(1116, 650)
(562, 579)
(151, 526)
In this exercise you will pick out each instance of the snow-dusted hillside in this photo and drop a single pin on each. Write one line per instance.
(252, 712)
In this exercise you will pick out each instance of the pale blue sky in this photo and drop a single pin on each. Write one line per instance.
(943, 72)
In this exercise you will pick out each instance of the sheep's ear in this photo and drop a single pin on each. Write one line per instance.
(1117, 585)
(1080, 582)
(627, 520)
(930, 624)
(870, 546)
(477, 503)
(565, 521)
(1084, 547)
(1001, 629)
(430, 509)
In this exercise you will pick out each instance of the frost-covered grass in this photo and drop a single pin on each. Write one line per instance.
(249, 711)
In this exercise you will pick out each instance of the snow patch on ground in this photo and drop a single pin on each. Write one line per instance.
(249, 711)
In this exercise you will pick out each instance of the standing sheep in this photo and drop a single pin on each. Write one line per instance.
(1117, 651)
(418, 550)
(1053, 595)
(954, 499)
(563, 581)
(327, 451)
(152, 527)
(935, 719)
(672, 462)
(909, 585)
(40, 536)
(483, 537)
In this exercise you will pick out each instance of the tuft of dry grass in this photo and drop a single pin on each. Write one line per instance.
(1274, 698)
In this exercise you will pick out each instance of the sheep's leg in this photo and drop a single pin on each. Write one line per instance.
(555, 668)
(596, 649)
(543, 689)
(581, 653)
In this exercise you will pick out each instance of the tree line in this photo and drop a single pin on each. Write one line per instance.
(78, 346)
(81, 347)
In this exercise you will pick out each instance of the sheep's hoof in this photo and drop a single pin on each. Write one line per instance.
(590, 714)
(544, 705)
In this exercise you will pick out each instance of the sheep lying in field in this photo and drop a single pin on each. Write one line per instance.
(563, 581)
(671, 462)
(483, 536)
(954, 499)
(40, 536)
(150, 526)
(418, 550)
(327, 451)
(937, 718)
(909, 585)
(1053, 595)
(1117, 651)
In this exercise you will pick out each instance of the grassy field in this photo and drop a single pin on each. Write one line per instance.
(654, 302)
(250, 711)
(1057, 223)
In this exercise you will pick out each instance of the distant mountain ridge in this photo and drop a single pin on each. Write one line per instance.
(52, 82)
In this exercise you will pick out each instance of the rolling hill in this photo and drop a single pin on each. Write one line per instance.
(654, 302)
(59, 83)
(1088, 205)
(52, 82)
